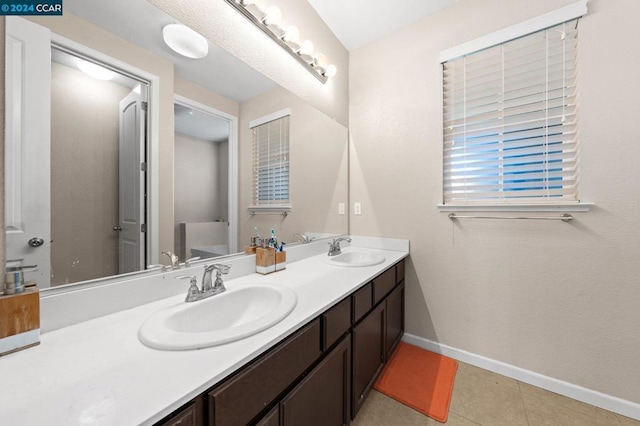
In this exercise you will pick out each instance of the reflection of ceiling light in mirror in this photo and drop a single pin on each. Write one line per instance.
(95, 70)
(185, 41)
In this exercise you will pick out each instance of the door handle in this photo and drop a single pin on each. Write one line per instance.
(117, 228)
(36, 242)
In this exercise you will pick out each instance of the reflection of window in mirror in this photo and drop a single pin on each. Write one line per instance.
(271, 160)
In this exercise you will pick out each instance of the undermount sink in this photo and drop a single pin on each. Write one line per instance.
(233, 315)
(354, 259)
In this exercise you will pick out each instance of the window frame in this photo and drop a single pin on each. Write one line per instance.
(267, 207)
(498, 38)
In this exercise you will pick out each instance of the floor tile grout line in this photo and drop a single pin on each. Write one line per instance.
(524, 405)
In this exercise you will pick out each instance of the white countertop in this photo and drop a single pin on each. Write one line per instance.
(97, 372)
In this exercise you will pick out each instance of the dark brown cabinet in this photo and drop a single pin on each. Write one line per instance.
(323, 397)
(320, 375)
(271, 419)
(368, 355)
(241, 399)
(189, 415)
(394, 319)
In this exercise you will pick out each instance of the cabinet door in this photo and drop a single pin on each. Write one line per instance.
(190, 415)
(368, 355)
(395, 318)
(271, 419)
(323, 397)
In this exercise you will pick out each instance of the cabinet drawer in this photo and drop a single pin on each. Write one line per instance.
(383, 284)
(361, 302)
(247, 394)
(400, 271)
(335, 323)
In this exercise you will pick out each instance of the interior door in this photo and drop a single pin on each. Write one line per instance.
(132, 167)
(27, 147)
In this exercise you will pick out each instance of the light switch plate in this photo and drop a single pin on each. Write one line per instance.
(341, 208)
(357, 209)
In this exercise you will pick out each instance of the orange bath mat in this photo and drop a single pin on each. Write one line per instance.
(419, 379)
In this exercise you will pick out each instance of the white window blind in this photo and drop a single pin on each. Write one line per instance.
(510, 121)
(271, 163)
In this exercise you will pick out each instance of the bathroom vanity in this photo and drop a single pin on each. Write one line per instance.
(323, 371)
(319, 362)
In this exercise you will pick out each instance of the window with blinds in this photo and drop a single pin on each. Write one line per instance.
(510, 121)
(271, 163)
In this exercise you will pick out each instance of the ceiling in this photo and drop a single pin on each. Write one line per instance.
(141, 23)
(359, 22)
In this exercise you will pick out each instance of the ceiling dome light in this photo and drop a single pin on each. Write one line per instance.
(185, 41)
(94, 70)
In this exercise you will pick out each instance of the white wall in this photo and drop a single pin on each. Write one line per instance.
(227, 28)
(558, 299)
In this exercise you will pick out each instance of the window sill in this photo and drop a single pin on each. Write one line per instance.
(560, 207)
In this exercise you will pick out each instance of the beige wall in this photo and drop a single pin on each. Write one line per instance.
(554, 298)
(204, 96)
(80, 31)
(225, 27)
(199, 182)
(318, 169)
(84, 181)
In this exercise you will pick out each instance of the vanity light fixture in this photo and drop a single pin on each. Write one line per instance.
(183, 40)
(269, 20)
(95, 71)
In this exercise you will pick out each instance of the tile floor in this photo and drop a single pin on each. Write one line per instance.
(483, 398)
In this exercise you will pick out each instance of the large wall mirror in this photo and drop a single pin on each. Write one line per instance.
(152, 153)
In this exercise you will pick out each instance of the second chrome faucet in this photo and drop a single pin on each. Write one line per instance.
(208, 288)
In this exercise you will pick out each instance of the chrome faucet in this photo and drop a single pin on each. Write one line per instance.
(208, 289)
(173, 259)
(334, 247)
(305, 239)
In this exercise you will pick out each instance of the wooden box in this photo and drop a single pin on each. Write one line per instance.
(268, 260)
(19, 320)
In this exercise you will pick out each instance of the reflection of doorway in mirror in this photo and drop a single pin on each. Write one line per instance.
(201, 179)
(98, 130)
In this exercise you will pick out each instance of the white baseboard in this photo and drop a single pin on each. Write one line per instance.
(598, 399)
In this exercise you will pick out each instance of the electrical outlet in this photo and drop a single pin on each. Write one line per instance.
(357, 209)
(341, 208)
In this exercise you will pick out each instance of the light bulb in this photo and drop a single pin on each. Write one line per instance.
(331, 71)
(321, 60)
(292, 34)
(274, 16)
(306, 48)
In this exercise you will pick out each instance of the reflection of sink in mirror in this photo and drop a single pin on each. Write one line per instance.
(354, 259)
(236, 314)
